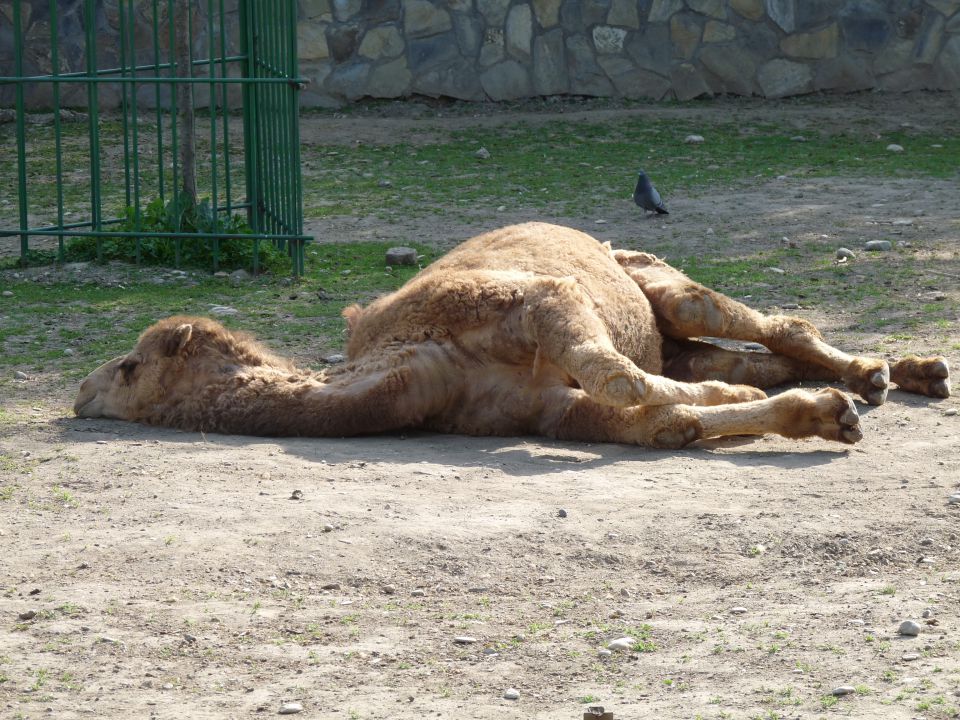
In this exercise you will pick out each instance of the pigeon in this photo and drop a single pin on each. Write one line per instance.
(646, 196)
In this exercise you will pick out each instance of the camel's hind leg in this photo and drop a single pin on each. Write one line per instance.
(560, 322)
(571, 415)
(686, 309)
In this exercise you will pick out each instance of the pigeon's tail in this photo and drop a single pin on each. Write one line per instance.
(661, 210)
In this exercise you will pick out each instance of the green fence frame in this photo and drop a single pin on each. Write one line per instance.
(261, 60)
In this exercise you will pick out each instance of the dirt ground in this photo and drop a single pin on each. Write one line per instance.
(153, 573)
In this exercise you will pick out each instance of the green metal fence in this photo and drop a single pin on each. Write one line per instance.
(221, 75)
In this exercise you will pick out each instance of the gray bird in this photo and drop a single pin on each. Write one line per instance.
(646, 196)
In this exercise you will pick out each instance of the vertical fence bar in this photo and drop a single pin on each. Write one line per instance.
(251, 143)
(225, 109)
(293, 117)
(212, 102)
(130, 32)
(124, 102)
(21, 134)
(159, 106)
(174, 117)
(57, 130)
(94, 121)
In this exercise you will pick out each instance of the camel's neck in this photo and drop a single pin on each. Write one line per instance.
(273, 402)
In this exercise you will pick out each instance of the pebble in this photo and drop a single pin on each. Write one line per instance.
(910, 657)
(798, 138)
(909, 628)
(389, 589)
(561, 513)
(482, 153)
(843, 252)
(28, 615)
(844, 690)
(776, 270)
(330, 586)
(384, 183)
(334, 358)
(882, 245)
(693, 139)
(511, 694)
(8, 293)
(954, 499)
(167, 686)
(328, 528)
(893, 147)
(603, 653)
(624, 643)
(790, 306)
(950, 412)
(296, 495)
(501, 208)
(738, 610)
(223, 310)
(20, 375)
(928, 613)
(401, 256)
(418, 593)
(290, 708)
(68, 351)
(464, 639)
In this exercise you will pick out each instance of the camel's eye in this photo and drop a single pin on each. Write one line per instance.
(127, 367)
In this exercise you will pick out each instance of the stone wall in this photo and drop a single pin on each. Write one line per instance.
(505, 49)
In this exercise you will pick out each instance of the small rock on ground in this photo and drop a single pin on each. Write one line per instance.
(401, 256)
(290, 708)
(464, 640)
(909, 628)
(624, 643)
(881, 245)
(844, 690)
(693, 139)
(843, 252)
(893, 147)
(511, 694)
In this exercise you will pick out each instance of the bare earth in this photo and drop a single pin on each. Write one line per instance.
(176, 575)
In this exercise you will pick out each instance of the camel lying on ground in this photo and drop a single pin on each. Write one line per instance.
(532, 329)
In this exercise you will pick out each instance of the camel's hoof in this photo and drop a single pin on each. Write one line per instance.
(870, 379)
(849, 421)
(674, 439)
(620, 391)
(924, 376)
(835, 417)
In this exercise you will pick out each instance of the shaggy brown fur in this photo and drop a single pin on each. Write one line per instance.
(530, 329)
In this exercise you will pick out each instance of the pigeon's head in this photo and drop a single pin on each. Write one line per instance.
(642, 180)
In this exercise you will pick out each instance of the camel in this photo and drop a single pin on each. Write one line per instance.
(532, 329)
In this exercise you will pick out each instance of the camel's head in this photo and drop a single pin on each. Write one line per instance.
(171, 360)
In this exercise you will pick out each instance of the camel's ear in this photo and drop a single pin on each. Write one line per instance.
(178, 339)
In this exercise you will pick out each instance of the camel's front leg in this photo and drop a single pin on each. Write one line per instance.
(571, 415)
(560, 321)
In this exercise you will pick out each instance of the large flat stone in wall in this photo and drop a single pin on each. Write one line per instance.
(456, 79)
(586, 76)
(663, 10)
(422, 18)
(733, 67)
(945, 7)
(384, 41)
(687, 82)
(623, 13)
(632, 82)
(469, 32)
(508, 80)
(815, 45)
(312, 40)
(928, 41)
(608, 40)
(946, 73)
(865, 25)
(750, 9)
(493, 11)
(714, 8)
(349, 80)
(715, 32)
(550, 64)
(844, 74)
(808, 14)
(390, 79)
(685, 31)
(896, 56)
(593, 12)
(650, 48)
(342, 41)
(547, 12)
(519, 32)
(782, 78)
(376, 12)
(315, 8)
(344, 10)
(431, 52)
(782, 12)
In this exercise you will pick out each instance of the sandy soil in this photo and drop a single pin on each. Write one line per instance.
(152, 573)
